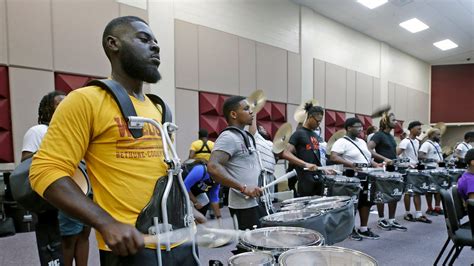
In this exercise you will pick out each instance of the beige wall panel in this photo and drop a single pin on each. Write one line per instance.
(422, 106)
(127, 10)
(27, 87)
(412, 108)
(29, 33)
(290, 110)
(272, 75)
(377, 92)
(218, 61)
(294, 78)
(351, 91)
(3, 33)
(401, 103)
(247, 66)
(319, 82)
(77, 33)
(187, 119)
(391, 94)
(335, 87)
(186, 55)
(364, 94)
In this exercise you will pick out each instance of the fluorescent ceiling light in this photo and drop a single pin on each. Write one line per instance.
(372, 3)
(445, 44)
(414, 25)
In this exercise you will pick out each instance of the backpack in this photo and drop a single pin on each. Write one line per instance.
(204, 145)
(19, 180)
(189, 165)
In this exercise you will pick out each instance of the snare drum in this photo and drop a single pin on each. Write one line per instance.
(333, 217)
(303, 200)
(417, 182)
(340, 185)
(385, 187)
(252, 258)
(325, 256)
(277, 240)
(440, 179)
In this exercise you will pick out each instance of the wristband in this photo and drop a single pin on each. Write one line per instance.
(243, 188)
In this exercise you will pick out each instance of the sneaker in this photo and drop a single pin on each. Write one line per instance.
(368, 234)
(355, 236)
(423, 219)
(384, 225)
(431, 212)
(399, 227)
(439, 211)
(409, 217)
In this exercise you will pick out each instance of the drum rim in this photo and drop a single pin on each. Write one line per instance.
(270, 255)
(320, 238)
(341, 203)
(285, 254)
(312, 214)
(299, 199)
(328, 199)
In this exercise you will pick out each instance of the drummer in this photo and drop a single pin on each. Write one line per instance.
(383, 148)
(463, 147)
(430, 151)
(348, 151)
(408, 148)
(304, 143)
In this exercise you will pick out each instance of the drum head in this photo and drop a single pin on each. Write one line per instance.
(81, 179)
(252, 258)
(280, 238)
(325, 255)
(293, 206)
(330, 199)
(325, 206)
(299, 200)
(288, 216)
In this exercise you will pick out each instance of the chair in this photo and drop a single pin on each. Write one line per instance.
(460, 236)
(458, 203)
(470, 212)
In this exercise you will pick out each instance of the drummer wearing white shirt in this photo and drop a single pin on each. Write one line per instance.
(408, 148)
(431, 151)
(463, 147)
(348, 151)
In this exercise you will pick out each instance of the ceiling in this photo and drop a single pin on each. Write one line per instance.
(447, 19)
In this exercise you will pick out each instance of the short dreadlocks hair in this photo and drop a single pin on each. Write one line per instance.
(46, 107)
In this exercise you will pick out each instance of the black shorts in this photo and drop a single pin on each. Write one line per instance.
(364, 201)
(308, 185)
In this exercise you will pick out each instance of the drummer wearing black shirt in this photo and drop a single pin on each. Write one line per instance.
(384, 149)
(304, 144)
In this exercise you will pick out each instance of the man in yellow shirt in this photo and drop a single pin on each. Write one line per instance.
(201, 149)
(123, 171)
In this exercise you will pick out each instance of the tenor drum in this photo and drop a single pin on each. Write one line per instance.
(385, 187)
(333, 217)
(277, 240)
(455, 174)
(417, 182)
(440, 179)
(340, 185)
(326, 255)
(252, 259)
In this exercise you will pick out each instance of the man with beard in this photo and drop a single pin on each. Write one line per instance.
(408, 149)
(304, 144)
(123, 171)
(383, 147)
(431, 152)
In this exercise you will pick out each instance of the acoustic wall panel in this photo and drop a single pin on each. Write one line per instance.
(71, 28)
(364, 93)
(186, 120)
(377, 94)
(29, 33)
(319, 82)
(186, 55)
(3, 33)
(294, 78)
(335, 87)
(67, 83)
(351, 91)
(290, 110)
(401, 102)
(334, 121)
(6, 149)
(247, 66)
(391, 94)
(272, 73)
(218, 61)
(128, 10)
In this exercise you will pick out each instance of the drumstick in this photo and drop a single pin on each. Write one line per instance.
(280, 179)
(325, 168)
(151, 239)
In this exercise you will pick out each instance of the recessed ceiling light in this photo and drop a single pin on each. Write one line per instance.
(413, 25)
(372, 3)
(445, 44)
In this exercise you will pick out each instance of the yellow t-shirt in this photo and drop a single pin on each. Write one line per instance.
(123, 171)
(205, 153)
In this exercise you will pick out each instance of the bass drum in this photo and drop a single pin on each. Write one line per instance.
(440, 179)
(325, 256)
(252, 258)
(342, 186)
(385, 187)
(277, 240)
(417, 182)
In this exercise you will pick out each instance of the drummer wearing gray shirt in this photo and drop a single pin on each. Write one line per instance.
(234, 163)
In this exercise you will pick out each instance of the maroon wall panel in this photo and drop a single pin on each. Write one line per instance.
(334, 121)
(6, 149)
(67, 82)
(452, 93)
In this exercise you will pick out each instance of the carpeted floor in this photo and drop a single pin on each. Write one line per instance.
(418, 246)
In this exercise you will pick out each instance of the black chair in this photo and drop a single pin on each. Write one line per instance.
(470, 212)
(460, 236)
